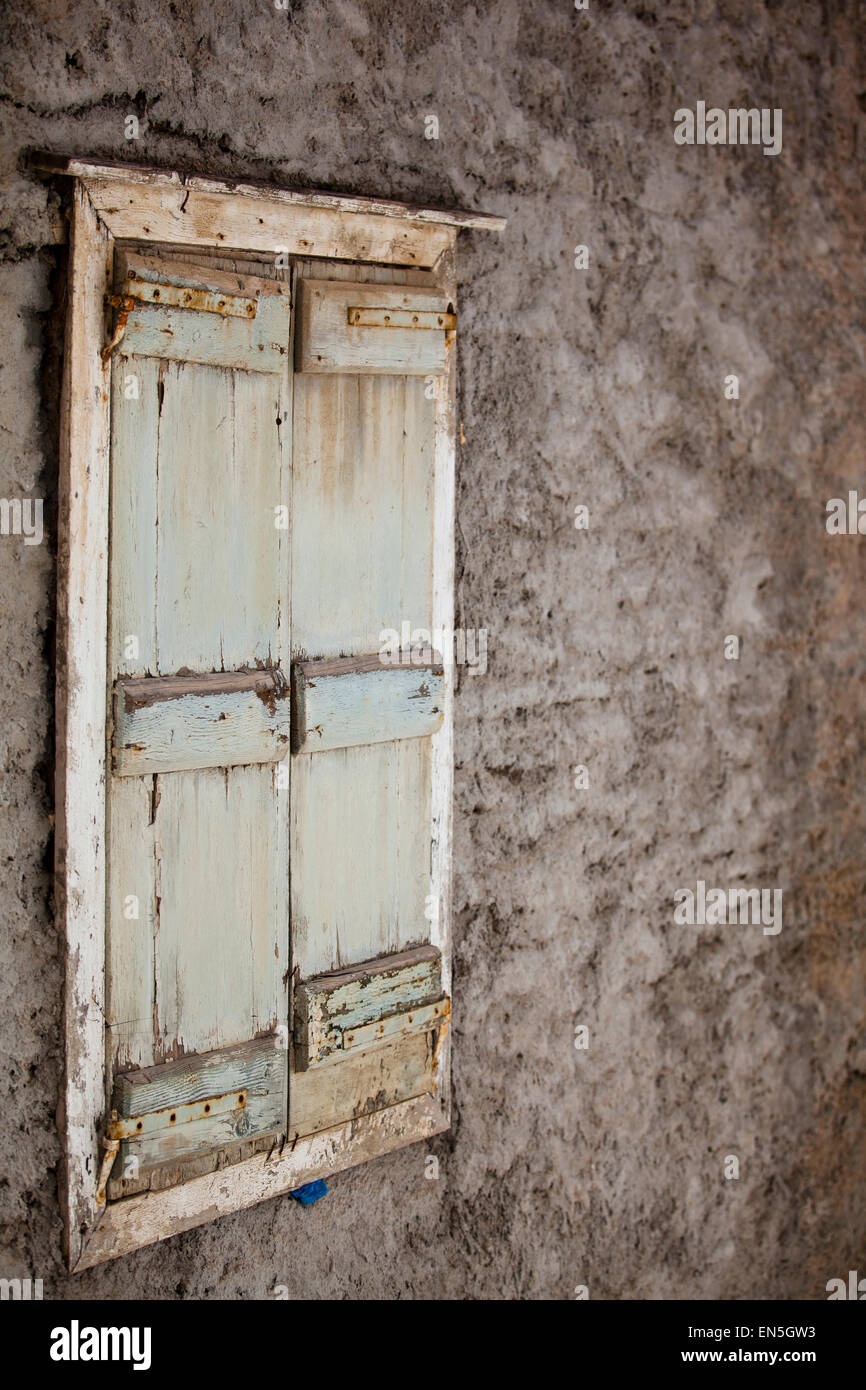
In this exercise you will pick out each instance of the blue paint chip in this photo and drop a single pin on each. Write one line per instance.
(310, 1192)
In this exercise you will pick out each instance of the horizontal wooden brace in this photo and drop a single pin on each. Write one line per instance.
(349, 701)
(185, 313)
(340, 1004)
(222, 719)
(255, 1070)
(174, 1115)
(343, 326)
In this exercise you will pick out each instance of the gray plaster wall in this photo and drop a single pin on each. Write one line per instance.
(601, 1167)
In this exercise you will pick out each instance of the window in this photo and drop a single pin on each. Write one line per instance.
(254, 693)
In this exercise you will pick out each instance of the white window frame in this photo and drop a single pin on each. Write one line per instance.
(120, 201)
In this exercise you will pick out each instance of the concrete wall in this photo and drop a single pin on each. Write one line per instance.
(601, 1167)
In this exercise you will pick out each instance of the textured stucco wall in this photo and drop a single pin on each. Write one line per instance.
(603, 387)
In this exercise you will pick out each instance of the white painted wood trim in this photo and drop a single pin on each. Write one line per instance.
(267, 192)
(82, 564)
(136, 1221)
(188, 216)
(444, 459)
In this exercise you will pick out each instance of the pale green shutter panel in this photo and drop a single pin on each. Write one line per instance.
(369, 1007)
(199, 657)
(223, 432)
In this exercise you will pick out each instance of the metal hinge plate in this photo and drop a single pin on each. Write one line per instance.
(136, 1126)
(182, 297)
(417, 1020)
(360, 317)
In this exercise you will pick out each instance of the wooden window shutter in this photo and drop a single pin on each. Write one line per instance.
(216, 445)
(198, 659)
(254, 692)
(370, 1005)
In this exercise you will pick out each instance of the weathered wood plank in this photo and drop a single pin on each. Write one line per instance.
(417, 465)
(221, 942)
(412, 888)
(351, 701)
(420, 1018)
(256, 1068)
(334, 1003)
(135, 387)
(186, 335)
(51, 163)
(218, 591)
(441, 767)
(166, 1175)
(243, 275)
(360, 815)
(82, 606)
(249, 1065)
(191, 215)
(173, 723)
(133, 888)
(358, 1084)
(326, 340)
(258, 342)
(345, 830)
(133, 893)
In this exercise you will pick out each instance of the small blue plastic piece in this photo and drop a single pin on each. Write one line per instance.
(310, 1192)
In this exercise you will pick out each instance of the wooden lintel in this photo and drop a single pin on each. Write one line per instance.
(87, 169)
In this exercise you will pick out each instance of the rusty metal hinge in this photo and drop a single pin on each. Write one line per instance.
(125, 303)
(417, 1020)
(173, 1116)
(440, 1040)
(110, 1147)
(163, 295)
(361, 317)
